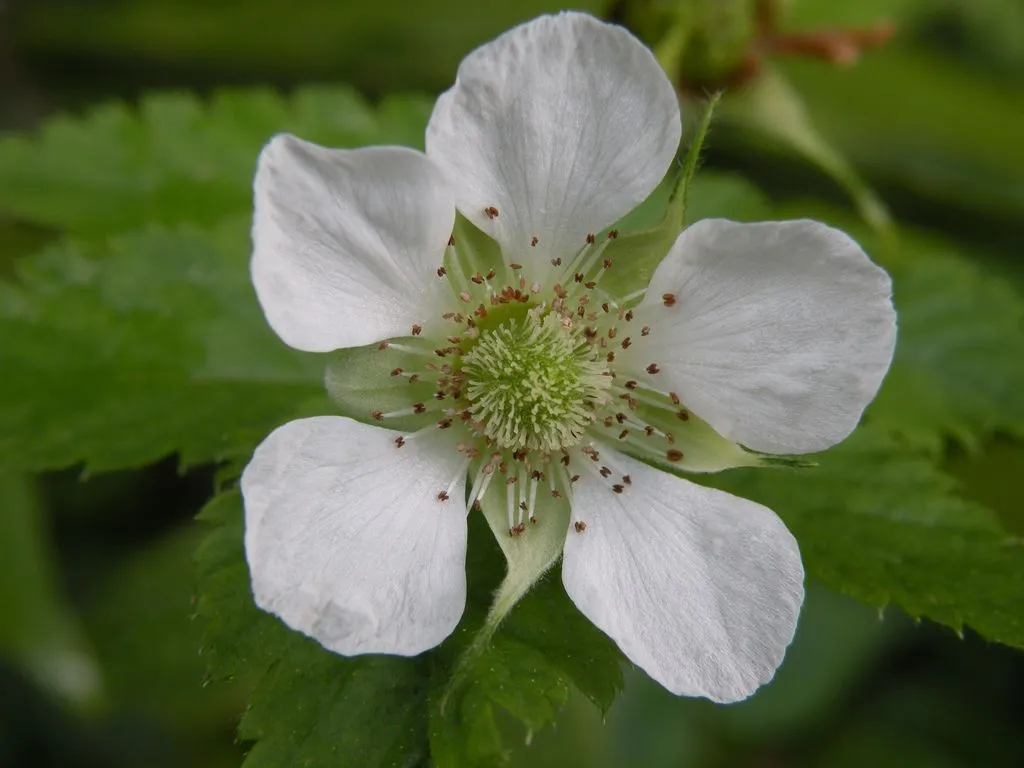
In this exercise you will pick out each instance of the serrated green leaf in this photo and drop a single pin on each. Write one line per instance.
(959, 364)
(317, 709)
(177, 158)
(308, 701)
(885, 526)
(158, 346)
(958, 371)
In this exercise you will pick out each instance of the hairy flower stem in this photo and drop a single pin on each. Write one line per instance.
(514, 586)
(693, 153)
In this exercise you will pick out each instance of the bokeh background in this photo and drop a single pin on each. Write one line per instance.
(101, 567)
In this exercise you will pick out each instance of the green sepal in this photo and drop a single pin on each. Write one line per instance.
(636, 255)
(474, 253)
(529, 555)
(359, 382)
(703, 449)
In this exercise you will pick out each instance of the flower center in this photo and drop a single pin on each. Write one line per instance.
(534, 383)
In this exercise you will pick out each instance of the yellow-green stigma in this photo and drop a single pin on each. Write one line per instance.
(534, 383)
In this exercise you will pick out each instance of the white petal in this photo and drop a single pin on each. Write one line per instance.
(699, 588)
(347, 540)
(346, 242)
(780, 334)
(564, 124)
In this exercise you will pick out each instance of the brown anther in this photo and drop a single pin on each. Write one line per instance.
(476, 506)
(590, 285)
(478, 279)
(490, 274)
(606, 308)
(627, 479)
(668, 299)
(491, 211)
(621, 417)
(613, 332)
(522, 506)
(610, 357)
(560, 292)
(564, 460)
(674, 398)
(645, 331)
(605, 472)
(534, 241)
(443, 496)
(649, 430)
(623, 434)
(451, 240)
(396, 372)
(383, 345)
(414, 378)
(607, 263)
(516, 266)
(516, 530)
(670, 438)
(377, 415)
(480, 311)
(674, 455)
(613, 234)
(417, 329)
(511, 480)
(444, 424)
(653, 368)
(419, 408)
(454, 339)
(399, 441)
(441, 271)
(580, 526)
(555, 494)
(628, 316)
(618, 488)
(627, 343)
(578, 277)
(574, 479)
(591, 239)
(683, 415)
(556, 262)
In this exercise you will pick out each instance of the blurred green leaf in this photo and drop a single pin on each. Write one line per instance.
(771, 108)
(178, 158)
(141, 621)
(918, 121)
(156, 347)
(381, 46)
(39, 633)
(885, 526)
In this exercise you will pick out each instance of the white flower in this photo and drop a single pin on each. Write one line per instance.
(534, 387)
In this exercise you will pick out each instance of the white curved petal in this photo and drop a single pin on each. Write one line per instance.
(346, 242)
(699, 588)
(563, 124)
(780, 334)
(347, 540)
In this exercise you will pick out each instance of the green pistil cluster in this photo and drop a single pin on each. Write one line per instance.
(534, 383)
